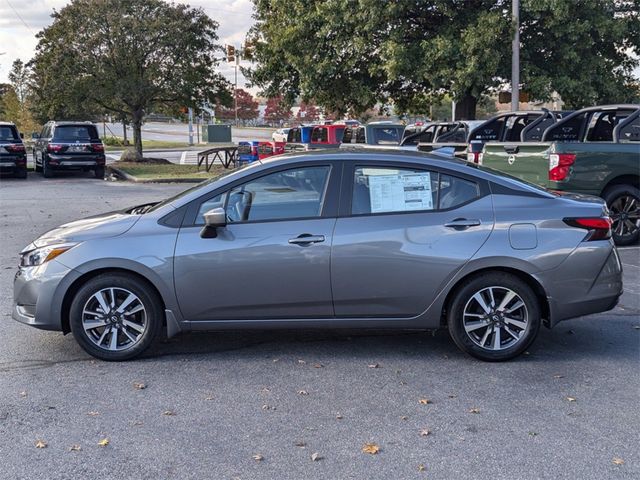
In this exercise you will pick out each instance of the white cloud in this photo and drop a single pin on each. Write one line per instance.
(20, 21)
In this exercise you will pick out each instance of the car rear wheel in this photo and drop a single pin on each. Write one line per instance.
(624, 207)
(99, 172)
(115, 316)
(21, 173)
(494, 317)
(47, 172)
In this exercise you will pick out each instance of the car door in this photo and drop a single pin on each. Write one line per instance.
(272, 259)
(402, 234)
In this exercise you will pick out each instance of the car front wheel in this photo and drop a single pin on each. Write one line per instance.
(115, 316)
(494, 317)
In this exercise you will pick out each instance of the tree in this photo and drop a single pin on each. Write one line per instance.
(126, 57)
(16, 98)
(248, 108)
(308, 112)
(277, 110)
(350, 56)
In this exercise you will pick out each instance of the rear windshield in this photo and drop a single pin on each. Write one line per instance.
(9, 133)
(76, 132)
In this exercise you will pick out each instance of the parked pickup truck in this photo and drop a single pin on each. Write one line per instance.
(314, 137)
(438, 135)
(373, 133)
(592, 151)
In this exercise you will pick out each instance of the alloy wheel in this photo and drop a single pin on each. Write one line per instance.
(114, 319)
(625, 215)
(495, 318)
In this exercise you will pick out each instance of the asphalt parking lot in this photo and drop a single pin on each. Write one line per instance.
(211, 402)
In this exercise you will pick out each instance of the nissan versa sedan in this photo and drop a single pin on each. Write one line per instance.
(357, 239)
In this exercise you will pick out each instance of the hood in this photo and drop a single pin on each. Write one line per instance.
(105, 225)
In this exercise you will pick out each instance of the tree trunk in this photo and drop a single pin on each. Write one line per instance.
(466, 108)
(137, 133)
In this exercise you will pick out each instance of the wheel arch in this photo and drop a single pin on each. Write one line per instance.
(627, 179)
(537, 288)
(85, 277)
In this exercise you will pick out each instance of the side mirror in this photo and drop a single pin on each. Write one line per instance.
(213, 219)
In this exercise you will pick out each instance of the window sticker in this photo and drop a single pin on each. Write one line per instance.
(401, 192)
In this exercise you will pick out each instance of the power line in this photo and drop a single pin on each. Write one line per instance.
(21, 19)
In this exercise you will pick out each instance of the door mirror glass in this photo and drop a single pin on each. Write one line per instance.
(215, 218)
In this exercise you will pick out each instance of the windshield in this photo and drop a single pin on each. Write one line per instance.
(197, 187)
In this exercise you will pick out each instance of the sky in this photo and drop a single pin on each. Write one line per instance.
(20, 21)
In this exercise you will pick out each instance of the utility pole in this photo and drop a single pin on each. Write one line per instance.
(190, 126)
(453, 110)
(515, 57)
(235, 90)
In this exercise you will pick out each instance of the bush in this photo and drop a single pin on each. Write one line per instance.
(128, 156)
(113, 141)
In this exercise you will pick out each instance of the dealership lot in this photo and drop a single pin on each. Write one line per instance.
(213, 401)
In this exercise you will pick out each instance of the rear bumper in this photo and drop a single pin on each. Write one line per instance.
(76, 161)
(12, 163)
(588, 281)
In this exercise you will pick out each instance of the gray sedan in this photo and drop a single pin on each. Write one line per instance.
(340, 239)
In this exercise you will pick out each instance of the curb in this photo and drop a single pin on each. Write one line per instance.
(130, 178)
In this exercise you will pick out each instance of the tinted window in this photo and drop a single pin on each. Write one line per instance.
(294, 193)
(630, 132)
(380, 190)
(360, 135)
(387, 136)
(320, 135)
(491, 130)
(569, 130)
(76, 132)
(9, 134)
(348, 135)
(455, 191)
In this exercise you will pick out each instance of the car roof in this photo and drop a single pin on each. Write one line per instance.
(71, 122)
(8, 124)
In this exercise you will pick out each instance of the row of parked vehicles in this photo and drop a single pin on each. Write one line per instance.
(593, 151)
(58, 146)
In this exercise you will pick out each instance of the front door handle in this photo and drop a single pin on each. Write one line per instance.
(306, 239)
(462, 223)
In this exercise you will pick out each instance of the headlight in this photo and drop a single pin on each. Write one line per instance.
(36, 257)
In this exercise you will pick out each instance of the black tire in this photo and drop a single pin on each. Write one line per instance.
(617, 197)
(153, 315)
(463, 298)
(99, 172)
(20, 173)
(47, 172)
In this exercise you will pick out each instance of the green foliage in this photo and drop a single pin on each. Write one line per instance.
(350, 56)
(16, 99)
(125, 57)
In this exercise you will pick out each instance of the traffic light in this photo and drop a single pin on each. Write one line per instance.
(231, 53)
(249, 48)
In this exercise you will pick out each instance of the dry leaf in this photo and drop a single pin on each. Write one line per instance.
(301, 362)
(374, 365)
(424, 401)
(339, 416)
(265, 390)
(370, 448)
(300, 444)
(424, 432)
(268, 407)
(303, 392)
(421, 468)
(275, 360)
(139, 385)
(474, 410)
(169, 413)
(210, 397)
(137, 423)
(93, 414)
(23, 394)
(257, 457)
(618, 461)
(41, 444)
(403, 383)
(404, 417)
(453, 396)
(570, 399)
(315, 457)
(318, 365)
(558, 376)
(75, 448)
(104, 442)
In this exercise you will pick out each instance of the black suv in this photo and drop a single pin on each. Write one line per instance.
(69, 146)
(13, 155)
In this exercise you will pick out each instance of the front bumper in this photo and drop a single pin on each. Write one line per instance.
(588, 281)
(38, 293)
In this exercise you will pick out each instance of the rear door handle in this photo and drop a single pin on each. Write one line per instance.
(462, 223)
(306, 239)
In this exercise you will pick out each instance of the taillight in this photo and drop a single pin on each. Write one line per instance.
(599, 227)
(559, 165)
(15, 148)
(474, 157)
(97, 147)
(54, 147)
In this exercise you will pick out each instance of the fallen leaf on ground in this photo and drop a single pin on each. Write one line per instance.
(404, 417)
(301, 362)
(618, 461)
(75, 448)
(268, 407)
(424, 432)
(303, 392)
(315, 457)
(558, 376)
(265, 390)
(474, 410)
(275, 360)
(137, 423)
(421, 468)
(374, 365)
(452, 396)
(93, 414)
(210, 397)
(318, 365)
(570, 399)
(300, 444)
(104, 442)
(139, 385)
(424, 401)
(257, 457)
(533, 434)
(370, 448)
(339, 416)
(23, 394)
(41, 444)
(169, 413)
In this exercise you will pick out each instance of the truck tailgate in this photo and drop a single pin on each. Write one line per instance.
(528, 161)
